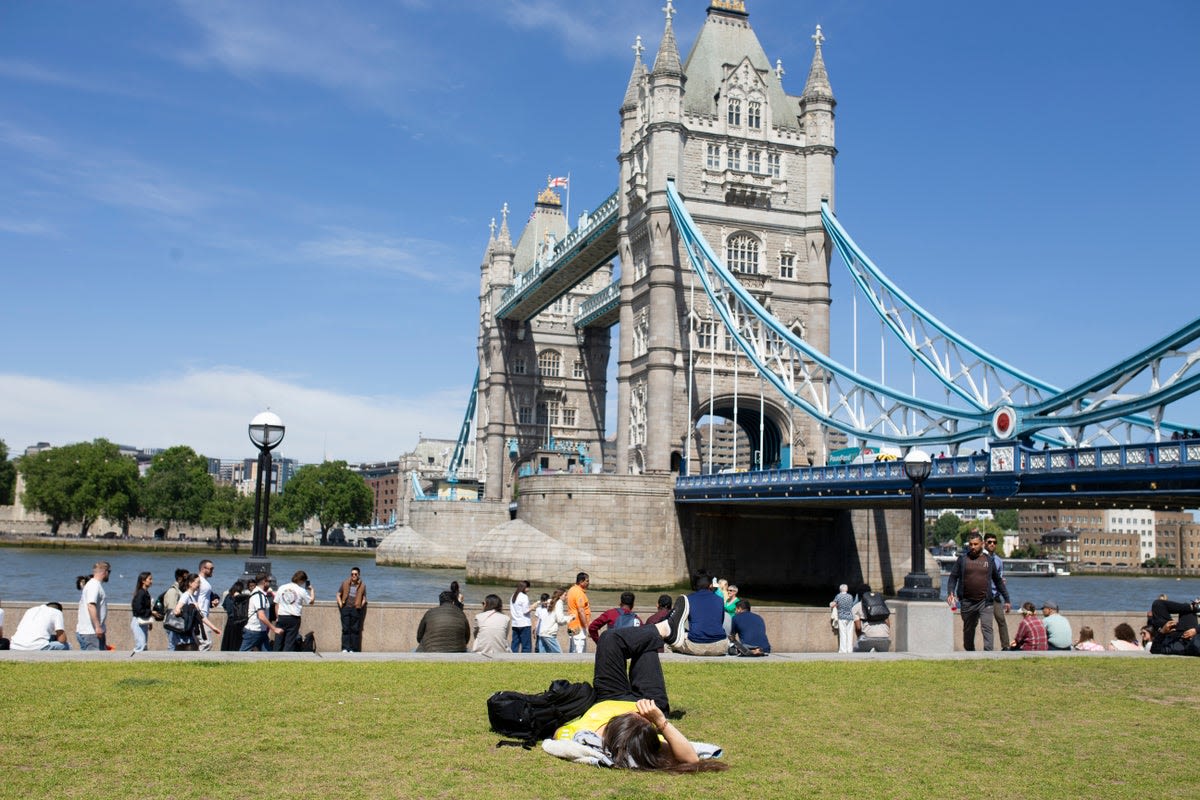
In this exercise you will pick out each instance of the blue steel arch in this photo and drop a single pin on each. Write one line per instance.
(832, 392)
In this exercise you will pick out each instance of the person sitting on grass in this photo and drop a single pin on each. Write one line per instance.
(627, 727)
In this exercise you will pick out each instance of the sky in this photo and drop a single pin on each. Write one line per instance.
(213, 207)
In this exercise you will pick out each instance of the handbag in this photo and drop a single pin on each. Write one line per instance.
(175, 622)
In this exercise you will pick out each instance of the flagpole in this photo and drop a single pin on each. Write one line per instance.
(568, 211)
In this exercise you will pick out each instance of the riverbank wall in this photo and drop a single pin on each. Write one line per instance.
(392, 627)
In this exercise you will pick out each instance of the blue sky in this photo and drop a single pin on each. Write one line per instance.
(208, 208)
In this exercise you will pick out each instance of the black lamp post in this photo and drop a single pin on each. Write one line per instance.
(917, 583)
(266, 431)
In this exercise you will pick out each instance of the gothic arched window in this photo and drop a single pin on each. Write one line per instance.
(734, 111)
(550, 363)
(741, 253)
(754, 114)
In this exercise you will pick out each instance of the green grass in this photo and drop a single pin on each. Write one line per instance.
(1049, 727)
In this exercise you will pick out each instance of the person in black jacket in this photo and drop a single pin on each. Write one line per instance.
(444, 629)
(975, 576)
(141, 618)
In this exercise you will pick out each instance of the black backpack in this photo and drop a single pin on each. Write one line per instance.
(874, 607)
(533, 717)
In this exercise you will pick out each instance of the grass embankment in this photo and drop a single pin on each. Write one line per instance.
(1029, 728)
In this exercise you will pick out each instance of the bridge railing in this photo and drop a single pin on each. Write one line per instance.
(609, 294)
(1127, 456)
(874, 471)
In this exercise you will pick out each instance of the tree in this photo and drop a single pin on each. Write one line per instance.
(81, 483)
(946, 527)
(1008, 519)
(228, 509)
(177, 487)
(8, 477)
(330, 492)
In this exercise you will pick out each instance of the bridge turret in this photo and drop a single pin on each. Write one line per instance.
(817, 121)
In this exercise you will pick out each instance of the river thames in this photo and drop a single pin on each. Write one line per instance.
(36, 574)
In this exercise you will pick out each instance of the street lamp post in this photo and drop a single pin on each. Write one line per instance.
(266, 431)
(917, 583)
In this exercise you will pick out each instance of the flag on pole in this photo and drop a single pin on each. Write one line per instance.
(558, 182)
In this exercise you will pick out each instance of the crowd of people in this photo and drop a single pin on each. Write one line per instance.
(257, 616)
(717, 621)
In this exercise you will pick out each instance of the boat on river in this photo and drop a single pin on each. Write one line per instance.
(1018, 567)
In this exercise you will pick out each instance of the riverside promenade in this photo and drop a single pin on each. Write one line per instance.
(390, 629)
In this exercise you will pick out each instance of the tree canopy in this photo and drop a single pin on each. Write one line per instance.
(228, 509)
(1008, 519)
(8, 477)
(80, 483)
(177, 486)
(331, 493)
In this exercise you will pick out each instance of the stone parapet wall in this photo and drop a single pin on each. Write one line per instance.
(621, 530)
(392, 627)
(440, 533)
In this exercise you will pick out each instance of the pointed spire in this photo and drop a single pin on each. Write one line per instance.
(633, 91)
(818, 78)
(492, 228)
(504, 238)
(667, 61)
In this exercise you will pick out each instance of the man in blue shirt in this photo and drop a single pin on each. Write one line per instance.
(703, 614)
(750, 630)
(999, 607)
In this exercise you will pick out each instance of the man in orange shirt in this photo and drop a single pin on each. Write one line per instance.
(580, 612)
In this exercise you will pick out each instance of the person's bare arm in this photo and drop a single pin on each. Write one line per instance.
(680, 747)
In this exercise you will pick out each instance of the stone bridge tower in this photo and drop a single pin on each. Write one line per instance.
(752, 162)
(542, 382)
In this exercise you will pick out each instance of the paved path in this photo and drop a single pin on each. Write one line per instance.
(468, 658)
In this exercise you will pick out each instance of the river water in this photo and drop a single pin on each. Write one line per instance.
(49, 574)
(36, 574)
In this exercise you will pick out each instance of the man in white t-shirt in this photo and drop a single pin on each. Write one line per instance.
(258, 619)
(289, 601)
(41, 628)
(93, 610)
(205, 602)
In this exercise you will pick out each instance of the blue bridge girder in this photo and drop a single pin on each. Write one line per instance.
(583, 251)
(1164, 475)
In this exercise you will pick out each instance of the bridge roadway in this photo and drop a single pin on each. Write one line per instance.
(584, 250)
(1163, 475)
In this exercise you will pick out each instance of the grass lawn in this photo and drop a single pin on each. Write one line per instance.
(1036, 727)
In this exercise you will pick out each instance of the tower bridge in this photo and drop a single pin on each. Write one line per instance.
(711, 260)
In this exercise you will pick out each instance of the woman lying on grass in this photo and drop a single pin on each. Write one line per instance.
(628, 726)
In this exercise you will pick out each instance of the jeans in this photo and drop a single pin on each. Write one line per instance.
(90, 641)
(252, 639)
(639, 646)
(876, 644)
(173, 639)
(973, 616)
(578, 642)
(548, 644)
(352, 625)
(522, 639)
(57, 646)
(140, 634)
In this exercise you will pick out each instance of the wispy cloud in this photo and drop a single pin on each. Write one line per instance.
(30, 72)
(209, 409)
(423, 259)
(584, 31)
(104, 175)
(27, 227)
(328, 45)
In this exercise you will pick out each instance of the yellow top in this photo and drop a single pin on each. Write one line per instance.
(595, 717)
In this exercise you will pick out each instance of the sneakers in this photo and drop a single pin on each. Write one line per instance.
(676, 622)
